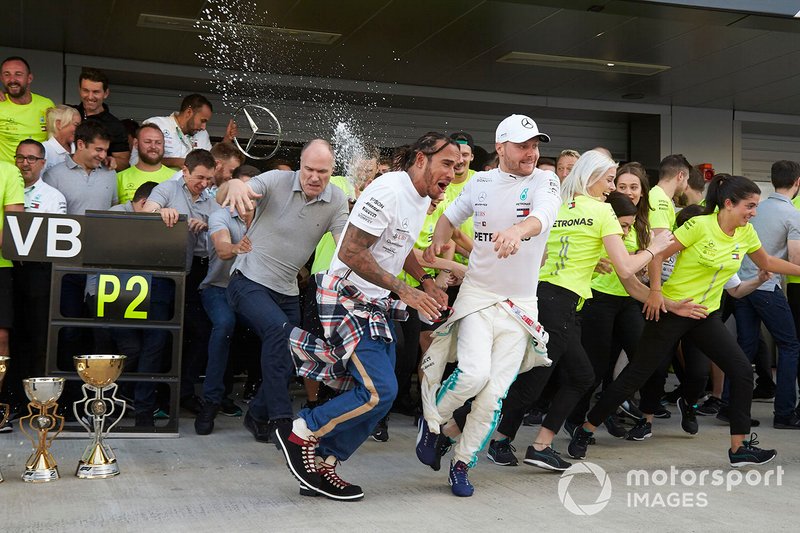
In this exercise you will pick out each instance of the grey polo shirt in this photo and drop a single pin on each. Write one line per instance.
(94, 190)
(219, 270)
(777, 222)
(286, 228)
(174, 193)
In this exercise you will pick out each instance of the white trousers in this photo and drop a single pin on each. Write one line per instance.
(491, 345)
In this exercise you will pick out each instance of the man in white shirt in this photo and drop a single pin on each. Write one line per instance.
(377, 244)
(495, 315)
(39, 196)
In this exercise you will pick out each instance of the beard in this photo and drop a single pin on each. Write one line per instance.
(151, 160)
(16, 90)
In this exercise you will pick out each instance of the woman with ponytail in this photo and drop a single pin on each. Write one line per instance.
(712, 247)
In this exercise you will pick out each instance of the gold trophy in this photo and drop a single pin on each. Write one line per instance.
(99, 372)
(4, 408)
(43, 394)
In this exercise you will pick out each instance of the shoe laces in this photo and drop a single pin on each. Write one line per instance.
(751, 444)
(458, 473)
(328, 471)
(309, 454)
(581, 436)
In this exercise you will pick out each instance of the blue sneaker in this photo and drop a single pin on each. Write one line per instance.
(459, 482)
(426, 444)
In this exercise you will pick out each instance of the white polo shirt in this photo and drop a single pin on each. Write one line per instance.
(54, 153)
(42, 198)
(176, 143)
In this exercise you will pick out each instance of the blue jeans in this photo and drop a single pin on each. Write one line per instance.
(346, 421)
(267, 311)
(772, 309)
(223, 323)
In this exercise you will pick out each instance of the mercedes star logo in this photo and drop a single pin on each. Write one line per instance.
(270, 130)
(526, 123)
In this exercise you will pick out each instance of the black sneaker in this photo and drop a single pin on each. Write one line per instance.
(662, 412)
(534, 418)
(332, 486)
(629, 409)
(613, 428)
(260, 430)
(570, 427)
(192, 403)
(763, 395)
(642, 430)
(784, 422)
(279, 423)
(710, 407)
(229, 408)
(300, 457)
(688, 418)
(722, 416)
(381, 431)
(748, 454)
(549, 459)
(501, 452)
(204, 423)
(579, 443)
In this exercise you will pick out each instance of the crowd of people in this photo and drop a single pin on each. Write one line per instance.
(476, 299)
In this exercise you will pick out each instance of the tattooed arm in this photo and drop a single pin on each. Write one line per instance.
(354, 252)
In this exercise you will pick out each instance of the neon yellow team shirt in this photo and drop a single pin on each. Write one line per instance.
(610, 283)
(20, 122)
(575, 244)
(131, 178)
(662, 210)
(323, 255)
(423, 241)
(450, 194)
(710, 259)
(12, 191)
(794, 279)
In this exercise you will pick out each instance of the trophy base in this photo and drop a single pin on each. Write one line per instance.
(40, 475)
(90, 471)
(1, 477)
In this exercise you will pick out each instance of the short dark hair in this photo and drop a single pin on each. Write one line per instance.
(90, 130)
(276, 162)
(784, 173)
(17, 58)
(545, 161)
(245, 170)
(621, 204)
(429, 145)
(37, 144)
(671, 165)
(148, 126)
(144, 190)
(697, 181)
(690, 211)
(199, 158)
(225, 150)
(462, 137)
(195, 101)
(131, 126)
(92, 74)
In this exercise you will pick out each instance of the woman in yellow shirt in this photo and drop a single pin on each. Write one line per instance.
(712, 247)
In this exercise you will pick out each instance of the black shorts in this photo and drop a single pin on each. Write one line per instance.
(6, 298)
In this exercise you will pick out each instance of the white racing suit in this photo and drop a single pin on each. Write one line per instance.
(495, 340)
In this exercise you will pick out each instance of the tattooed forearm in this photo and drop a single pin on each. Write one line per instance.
(354, 253)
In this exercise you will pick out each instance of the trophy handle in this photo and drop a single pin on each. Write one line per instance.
(83, 401)
(6, 410)
(56, 419)
(112, 389)
(29, 418)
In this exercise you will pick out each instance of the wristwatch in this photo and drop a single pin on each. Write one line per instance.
(425, 276)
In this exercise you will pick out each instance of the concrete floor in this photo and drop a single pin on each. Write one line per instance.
(229, 482)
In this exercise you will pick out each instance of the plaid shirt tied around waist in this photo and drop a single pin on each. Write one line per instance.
(341, 304)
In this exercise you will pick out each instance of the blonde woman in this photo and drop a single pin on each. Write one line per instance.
(61, 123)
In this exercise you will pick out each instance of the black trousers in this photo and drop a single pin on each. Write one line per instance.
(658, 340)
(608, 323)
(558, 315)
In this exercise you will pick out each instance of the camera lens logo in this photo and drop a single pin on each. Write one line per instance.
(588, 509)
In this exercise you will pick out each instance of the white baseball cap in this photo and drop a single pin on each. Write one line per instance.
(518, 129)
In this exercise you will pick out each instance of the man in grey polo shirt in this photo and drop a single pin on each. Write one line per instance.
(293, 211)
(82, 178)
(778, 227)
(188, 196)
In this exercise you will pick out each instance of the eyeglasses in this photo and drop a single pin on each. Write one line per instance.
(31, 159)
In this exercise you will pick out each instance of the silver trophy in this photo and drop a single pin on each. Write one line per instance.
(99, 372)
